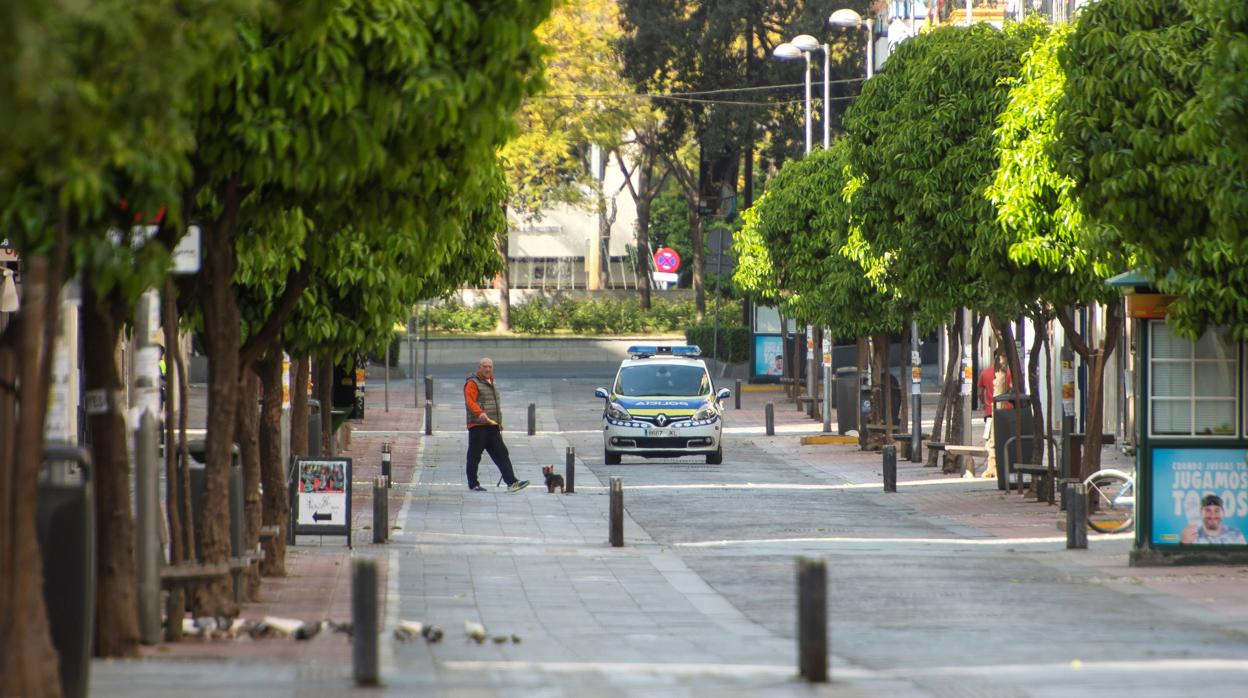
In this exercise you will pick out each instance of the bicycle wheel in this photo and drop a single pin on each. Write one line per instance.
(1111, 506)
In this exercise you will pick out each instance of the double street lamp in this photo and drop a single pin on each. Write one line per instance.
(853, 20)
(802, 46)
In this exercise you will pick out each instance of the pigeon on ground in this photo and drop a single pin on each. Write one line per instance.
(475, 631)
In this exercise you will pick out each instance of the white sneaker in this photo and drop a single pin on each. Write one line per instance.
(517, 486)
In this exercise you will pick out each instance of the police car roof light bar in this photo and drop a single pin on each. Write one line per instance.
(641, 351)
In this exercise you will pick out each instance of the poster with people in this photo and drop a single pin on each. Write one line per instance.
(1200, 496)
(323, 496)
(768, 356)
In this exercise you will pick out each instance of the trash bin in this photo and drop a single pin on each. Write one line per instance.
(847, 399)
(197, 468)
(1004, 422)
(314, 428)
(349, 385)
(65, 524)
(895, 397)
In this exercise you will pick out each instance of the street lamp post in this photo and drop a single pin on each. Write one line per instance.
(789, 52)
(802, 46)
(808, 44)
(850, 18)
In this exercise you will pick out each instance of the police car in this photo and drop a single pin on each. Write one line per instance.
(662, 404)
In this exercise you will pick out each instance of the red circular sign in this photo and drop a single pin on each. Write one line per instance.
(666, 259)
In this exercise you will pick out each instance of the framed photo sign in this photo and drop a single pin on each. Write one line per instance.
(321, 494)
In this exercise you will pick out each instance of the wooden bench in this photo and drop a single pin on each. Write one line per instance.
(190, 573)
(969, 452)
(1042, 476)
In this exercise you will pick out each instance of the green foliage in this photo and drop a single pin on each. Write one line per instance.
(454, 316)
(93, 133)
(733, 345)
(378, 126)
(921, 153)
(1044, 249)
(1151, 131)
(536, 316)
(793, 251)
(591, 316)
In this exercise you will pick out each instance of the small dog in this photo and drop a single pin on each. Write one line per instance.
(552, 480)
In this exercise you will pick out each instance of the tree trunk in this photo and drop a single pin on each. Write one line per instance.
(247, 427)
(175, 460)
(298, 409)
(1033, 383)
(28, 661)
(699, 263)
(325, 394)
(1092, 438)
(881, 404)
(504, 286)
(957, 418)
(643, 237)
(946, 396)
(222, 337)
(1096, 391)
(904, 381)
(276, 505)
(117, 622)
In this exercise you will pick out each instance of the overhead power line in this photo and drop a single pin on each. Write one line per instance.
(696, 97)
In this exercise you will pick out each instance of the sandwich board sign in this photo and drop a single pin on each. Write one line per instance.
(322, 497)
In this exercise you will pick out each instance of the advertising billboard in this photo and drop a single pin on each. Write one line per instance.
(1199, 496)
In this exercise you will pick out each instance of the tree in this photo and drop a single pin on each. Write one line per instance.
(794, 251)
(353, 112)
(921, 155)
(1154, 142)
(665, 49)
(641, 152)
(1046, 251)
(93, 131)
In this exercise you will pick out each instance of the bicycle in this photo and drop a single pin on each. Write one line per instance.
(1111, 501)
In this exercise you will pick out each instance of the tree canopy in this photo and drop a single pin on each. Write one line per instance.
(921, 155)
(1150, 131)
(791, 251)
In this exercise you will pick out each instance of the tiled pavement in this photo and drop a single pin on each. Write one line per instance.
(554, 588)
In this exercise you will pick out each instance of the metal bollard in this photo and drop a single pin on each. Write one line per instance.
(736, 396)
(812, 619)
(617, 511)
(364, 622)
(381, 510)
(385, 463)
(532, 419)
(428, 418)
(1076, 517)
(769, 415)
(569, 471)
(890, 468)
(428, 388)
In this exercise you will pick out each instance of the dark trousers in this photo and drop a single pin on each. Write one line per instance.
(490, 440)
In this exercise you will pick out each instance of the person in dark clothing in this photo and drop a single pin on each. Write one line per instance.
(485, 427)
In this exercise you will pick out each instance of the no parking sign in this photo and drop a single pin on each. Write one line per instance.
(666, 260)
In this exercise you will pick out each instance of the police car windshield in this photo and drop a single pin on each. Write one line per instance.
(645, 380)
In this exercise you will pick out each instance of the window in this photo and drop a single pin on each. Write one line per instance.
(1193, 386)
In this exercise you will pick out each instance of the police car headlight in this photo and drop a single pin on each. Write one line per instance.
(708, 411)
(616, 411)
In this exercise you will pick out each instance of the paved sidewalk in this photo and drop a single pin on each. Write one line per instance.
(536, 571)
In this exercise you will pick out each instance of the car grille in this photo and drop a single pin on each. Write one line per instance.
(665, 442)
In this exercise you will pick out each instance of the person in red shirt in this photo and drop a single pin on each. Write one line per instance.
(485, 426)
(993, 380)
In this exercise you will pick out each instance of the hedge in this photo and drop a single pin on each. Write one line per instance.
(733, 345)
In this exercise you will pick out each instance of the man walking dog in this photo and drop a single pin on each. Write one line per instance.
(485, 427)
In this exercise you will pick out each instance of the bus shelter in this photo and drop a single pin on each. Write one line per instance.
(1192, 459)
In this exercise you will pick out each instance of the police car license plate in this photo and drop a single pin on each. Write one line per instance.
(660, 432)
